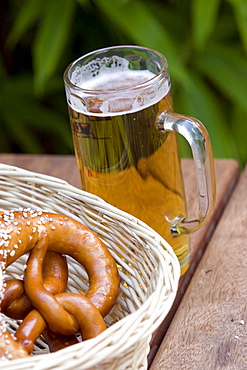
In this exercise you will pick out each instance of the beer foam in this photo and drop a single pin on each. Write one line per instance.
(115, 80)
(110, 81)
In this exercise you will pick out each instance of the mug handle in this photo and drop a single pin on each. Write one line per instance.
(197, 136)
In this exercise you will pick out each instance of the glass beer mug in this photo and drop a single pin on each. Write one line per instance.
(125, 138)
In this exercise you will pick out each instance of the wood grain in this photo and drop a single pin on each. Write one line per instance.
(227, 175)
(209, 330)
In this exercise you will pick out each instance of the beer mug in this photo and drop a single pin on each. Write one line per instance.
(125, 138)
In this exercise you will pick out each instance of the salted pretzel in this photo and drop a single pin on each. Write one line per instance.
(64, 313)
(16, 304)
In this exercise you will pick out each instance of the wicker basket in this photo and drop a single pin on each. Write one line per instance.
(148, 269)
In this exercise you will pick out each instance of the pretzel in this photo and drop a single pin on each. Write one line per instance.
(57, 310)
(16, 304)
(10, 349)
(57, 342)
(24, 231)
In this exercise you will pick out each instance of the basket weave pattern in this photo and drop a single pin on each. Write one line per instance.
(148, 268)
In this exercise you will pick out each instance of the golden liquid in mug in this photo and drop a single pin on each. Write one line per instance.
(127, 161)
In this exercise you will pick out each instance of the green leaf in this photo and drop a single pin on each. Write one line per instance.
(26, 118)
(204, 17)
(137, 22)
(51, 39)
(83, 2)
(198, 100)
(227, 70)
(240, 9)
(26, 17)
(239, 131)
(20, 134)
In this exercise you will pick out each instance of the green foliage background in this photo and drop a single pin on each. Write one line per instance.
(205, 43)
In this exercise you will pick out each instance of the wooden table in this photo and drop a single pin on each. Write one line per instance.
(179, 339)
(209, 330)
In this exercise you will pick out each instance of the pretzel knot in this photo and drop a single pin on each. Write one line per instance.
(41, 300)
(65, 313)
(44, 308)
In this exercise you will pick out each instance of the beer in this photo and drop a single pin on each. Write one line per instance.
(122, 155)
